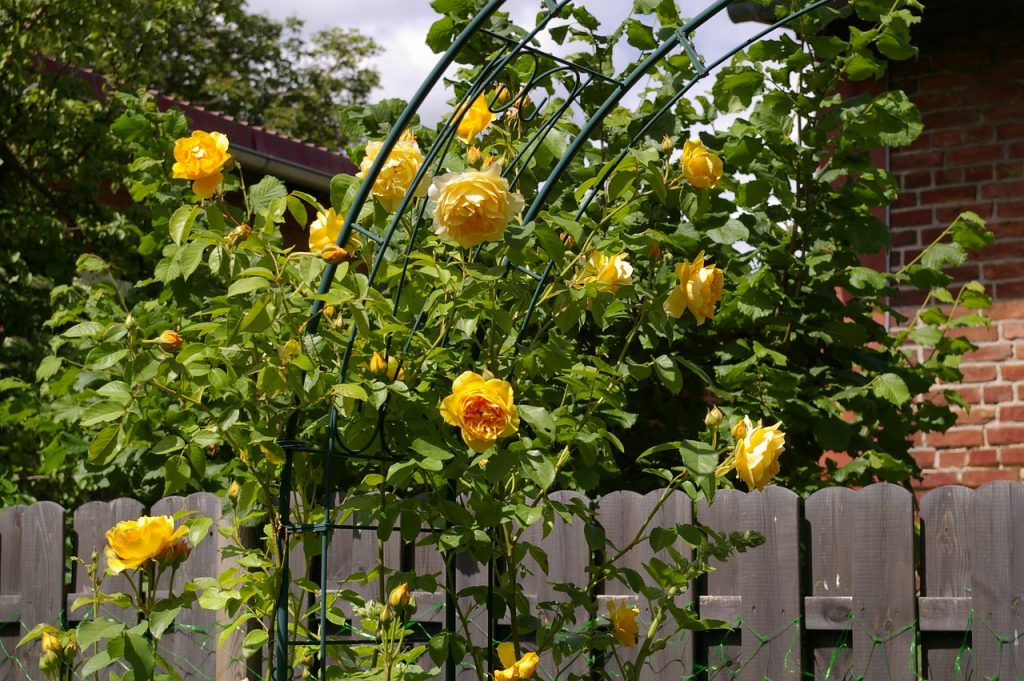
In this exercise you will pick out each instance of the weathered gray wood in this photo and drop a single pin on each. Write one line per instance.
(568, 558)
(91, 523)
(829, 554)
(997, 549)
(623, 515)
(769, 583)
(723, 649)
(945, 602)
(32, 576)
(883, 581)
(192, 646)
(352, 551)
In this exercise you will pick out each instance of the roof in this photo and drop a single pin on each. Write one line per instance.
(255, 148)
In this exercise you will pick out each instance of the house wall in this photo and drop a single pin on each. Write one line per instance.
(968, 82)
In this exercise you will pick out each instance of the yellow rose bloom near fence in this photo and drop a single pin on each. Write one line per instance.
(699, 290)
(483, 408)
(133, 543)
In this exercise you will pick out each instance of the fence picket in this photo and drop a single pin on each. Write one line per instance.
(622, 515)
(722, 650)
(829, 608)
(997, 582)
(884, 609)
(946, 583)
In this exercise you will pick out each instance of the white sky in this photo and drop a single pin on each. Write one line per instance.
(400, 26)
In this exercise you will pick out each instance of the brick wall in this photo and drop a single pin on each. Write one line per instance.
(968, 82)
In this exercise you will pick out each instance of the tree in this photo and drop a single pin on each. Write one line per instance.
(61, 163)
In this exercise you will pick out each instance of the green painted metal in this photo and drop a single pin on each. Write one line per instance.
(334, 450)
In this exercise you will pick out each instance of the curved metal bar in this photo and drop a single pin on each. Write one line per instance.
(681, 37)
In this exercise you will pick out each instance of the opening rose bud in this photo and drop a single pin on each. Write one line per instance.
(233, 489)
(170, 340)
(175, 554)
(399, 596)
(335, 255)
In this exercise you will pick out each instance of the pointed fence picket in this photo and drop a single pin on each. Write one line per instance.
(838, 590)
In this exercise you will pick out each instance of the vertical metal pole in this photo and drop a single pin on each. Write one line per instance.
(281, 670)
(450, 596)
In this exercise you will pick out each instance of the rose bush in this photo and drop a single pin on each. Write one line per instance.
(577, 366)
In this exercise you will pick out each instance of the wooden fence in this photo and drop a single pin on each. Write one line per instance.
(844, 588)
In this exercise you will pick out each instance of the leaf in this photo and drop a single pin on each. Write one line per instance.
(92, 631)
(969, 231)
(729, 233)
(640, 35)
(891, 388)
(102, 411)
(189, 258)
(669, 374)
(180, 225)
(863, 66)
(254, 642)
(540, 420)
(265, 192)
(95, 663)
(48, 367)
(246, 285)
(940, 255)
(177, 472)
(103, 445)
(430, 451)
(139, 653)
(162, 617)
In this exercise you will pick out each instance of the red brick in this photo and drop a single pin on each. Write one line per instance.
(997, 190)
(1009, 289)
(1005, 435)
(935, 101)
(911, 218)
(1010, 209)
(976, 334)
(947, 81)
(1003, 271)
(957, 118)
(928, 159)
(1008, 229)
(1011, 456)
(925, 458)
(978, 134)
(946, 214)
(1016, 150)
(949, 176)
(946, 138)
(1011, 329)
(970, 436)
(952, 458)
(1008, 70)
(978, 173)
(994, 394)
(904, 237)
(990, 352)
(1008, 171)
(983, 457)
(1012, 372)
(976, 154)
(1002, 251)
(905, 200)
(949, 195)
(933, 479)
(921, 178)
(1005, 112)
(977, 415)
(1011, 130)
(978, 374)
(959, 59)
(1011, 413)
(996, 91)
(976, 477)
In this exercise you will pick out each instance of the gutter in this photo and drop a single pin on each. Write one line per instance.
(281, 168)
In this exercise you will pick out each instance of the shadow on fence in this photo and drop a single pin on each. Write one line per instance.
(841, 589)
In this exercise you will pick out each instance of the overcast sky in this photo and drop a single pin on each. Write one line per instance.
(400, 26)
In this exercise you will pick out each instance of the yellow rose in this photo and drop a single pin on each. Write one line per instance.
(623, 621)
(170, 340)
(475, 120)
(474, 206)
(515, 670)
(51, 643)
(701, 168)
(388, 368)
(482, 408)
(397, 173)
(610, 272)
(131, 543)
(699, 289)
(200, 158)
(323, 234)
(756, 455)
(399, 596)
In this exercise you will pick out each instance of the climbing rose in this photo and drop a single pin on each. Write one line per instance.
(473, 206)
(131, 543)
(699, 289)
(397, 173)
(482, 408)
(610, 271)
(756, 455)
(200, 158)
(623, 620)
(515, 670)
(475, 121)
(169, 340)
(323, 234)
(701, 168)
(389, 368)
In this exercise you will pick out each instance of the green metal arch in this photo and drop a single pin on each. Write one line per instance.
(583, 77)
